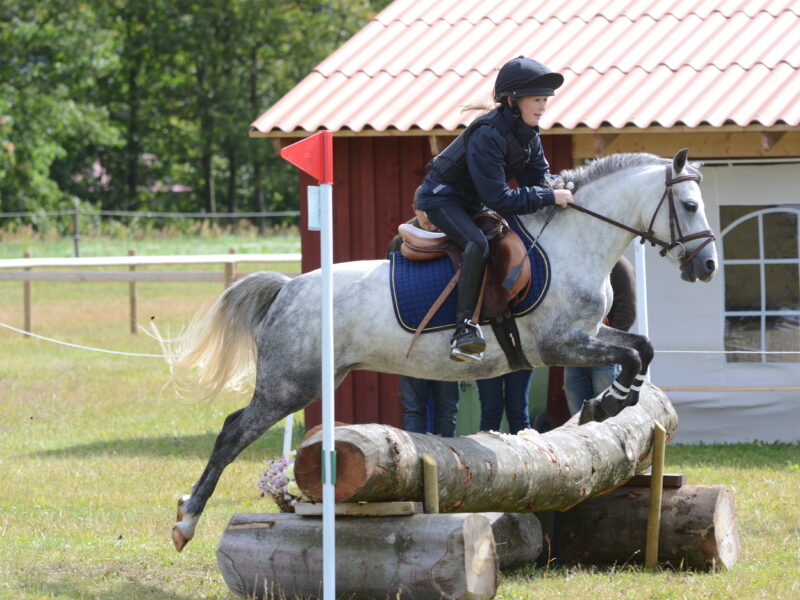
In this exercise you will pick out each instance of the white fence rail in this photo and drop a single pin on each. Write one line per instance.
(22, 269)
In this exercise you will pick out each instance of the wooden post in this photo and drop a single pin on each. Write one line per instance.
(656, 489)
(134, 297)
(230, 270)
(26, 287)
(430, 483)
(76, 232)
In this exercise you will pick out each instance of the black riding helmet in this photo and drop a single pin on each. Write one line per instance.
(525, 77)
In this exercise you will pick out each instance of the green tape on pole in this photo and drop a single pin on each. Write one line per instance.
(332, 454)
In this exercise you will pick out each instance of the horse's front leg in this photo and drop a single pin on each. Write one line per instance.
(642, 345)
(583, 350)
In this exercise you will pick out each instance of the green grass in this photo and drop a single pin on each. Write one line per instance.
(94, 454)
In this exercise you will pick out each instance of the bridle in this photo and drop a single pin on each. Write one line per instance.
(676, 235)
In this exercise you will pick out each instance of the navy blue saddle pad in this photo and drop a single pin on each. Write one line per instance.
(417, 284)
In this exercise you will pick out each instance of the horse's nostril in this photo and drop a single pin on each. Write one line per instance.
(711, 265)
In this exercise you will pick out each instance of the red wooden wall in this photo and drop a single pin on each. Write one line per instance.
(373, 191)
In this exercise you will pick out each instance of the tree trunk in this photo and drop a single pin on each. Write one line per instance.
(489, 472)
(698, 528)
(417, 557)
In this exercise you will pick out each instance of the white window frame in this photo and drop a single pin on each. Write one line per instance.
(762, 262)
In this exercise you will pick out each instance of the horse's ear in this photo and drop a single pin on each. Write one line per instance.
(679, 162)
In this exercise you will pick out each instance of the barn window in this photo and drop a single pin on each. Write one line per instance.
(762, 282)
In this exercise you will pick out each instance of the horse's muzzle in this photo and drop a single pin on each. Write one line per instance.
(702, 268)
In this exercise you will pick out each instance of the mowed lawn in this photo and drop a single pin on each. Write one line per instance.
(95, 451)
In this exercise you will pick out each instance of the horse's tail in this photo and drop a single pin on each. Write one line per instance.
(218, 349)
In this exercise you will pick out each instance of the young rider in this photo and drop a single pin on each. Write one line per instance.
(473, 173)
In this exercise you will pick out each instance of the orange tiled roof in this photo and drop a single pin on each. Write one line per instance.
(625, 62)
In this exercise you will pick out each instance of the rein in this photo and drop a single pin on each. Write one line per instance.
(674, 224)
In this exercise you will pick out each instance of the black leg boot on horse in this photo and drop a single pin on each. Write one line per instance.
(467, 343)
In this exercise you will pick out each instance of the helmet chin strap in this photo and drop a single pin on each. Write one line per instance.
(513, 105)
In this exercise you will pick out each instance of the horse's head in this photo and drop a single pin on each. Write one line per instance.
(679, 223)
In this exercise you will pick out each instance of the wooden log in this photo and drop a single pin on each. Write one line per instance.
(419, 556)
(699, 529)
(489, 471)
(517, 538)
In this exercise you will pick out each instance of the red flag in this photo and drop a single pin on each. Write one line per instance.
(314, 155)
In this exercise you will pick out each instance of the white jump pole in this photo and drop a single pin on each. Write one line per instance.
(288, 426)
(314, 155)
(328, 455)
(641, 294)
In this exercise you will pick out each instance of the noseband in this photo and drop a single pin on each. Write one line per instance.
(676, 235)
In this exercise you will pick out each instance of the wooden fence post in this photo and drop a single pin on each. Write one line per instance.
(134, 297)
(76, 232)
(26, 287)
(656, 490)
(230, 270)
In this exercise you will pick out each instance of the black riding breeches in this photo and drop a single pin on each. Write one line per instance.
(460, 228)
(457, 225)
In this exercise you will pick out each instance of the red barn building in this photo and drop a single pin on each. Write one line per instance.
(654, 77)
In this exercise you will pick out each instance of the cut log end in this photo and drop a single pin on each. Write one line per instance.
(726, 532)
(308, 471)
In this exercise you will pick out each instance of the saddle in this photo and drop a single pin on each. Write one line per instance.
(508, 274)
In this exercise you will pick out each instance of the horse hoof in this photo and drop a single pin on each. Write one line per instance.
(587, 413)
(592, 411)
(179, 539)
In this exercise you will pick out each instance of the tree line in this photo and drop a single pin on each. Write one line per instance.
(145, 104)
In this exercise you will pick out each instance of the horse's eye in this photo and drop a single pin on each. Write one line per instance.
(690, 206)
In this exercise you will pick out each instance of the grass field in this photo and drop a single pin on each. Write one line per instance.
(94, 453)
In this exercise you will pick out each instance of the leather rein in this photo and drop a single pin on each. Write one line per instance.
(676, 235)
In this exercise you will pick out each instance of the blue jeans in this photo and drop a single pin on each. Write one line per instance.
(443, 395)
(582, 383)
(507, 392)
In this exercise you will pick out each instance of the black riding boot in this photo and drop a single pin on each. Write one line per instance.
(467, 342)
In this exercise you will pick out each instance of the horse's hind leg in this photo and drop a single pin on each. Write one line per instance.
(241, 428)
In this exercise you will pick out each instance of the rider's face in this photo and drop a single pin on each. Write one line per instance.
(532, 108)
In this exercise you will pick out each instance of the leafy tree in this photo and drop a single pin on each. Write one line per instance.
(145, 105)
(50, 54)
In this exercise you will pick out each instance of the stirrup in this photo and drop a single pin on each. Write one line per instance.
(471, 354)
(461, 356)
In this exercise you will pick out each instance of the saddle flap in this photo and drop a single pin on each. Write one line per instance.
(506, 253)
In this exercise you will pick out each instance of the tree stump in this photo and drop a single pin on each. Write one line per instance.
(488, 471)
(698, 530)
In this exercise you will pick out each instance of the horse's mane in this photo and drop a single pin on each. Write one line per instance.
(606, 165)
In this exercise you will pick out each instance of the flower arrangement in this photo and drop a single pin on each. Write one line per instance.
(278, 481)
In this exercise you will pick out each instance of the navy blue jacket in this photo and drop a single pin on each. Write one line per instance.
(486, 155)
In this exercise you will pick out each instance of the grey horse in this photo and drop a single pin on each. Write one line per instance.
(270, 323)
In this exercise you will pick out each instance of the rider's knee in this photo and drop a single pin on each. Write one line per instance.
(477, 249)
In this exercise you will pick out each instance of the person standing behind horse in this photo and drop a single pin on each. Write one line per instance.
(416, 393)
(582, 383)
(473, 173)
(507, 393)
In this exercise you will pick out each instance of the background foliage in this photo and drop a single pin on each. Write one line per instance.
(145, 105)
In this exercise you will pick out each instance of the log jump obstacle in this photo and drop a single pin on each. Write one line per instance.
(492, 490)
